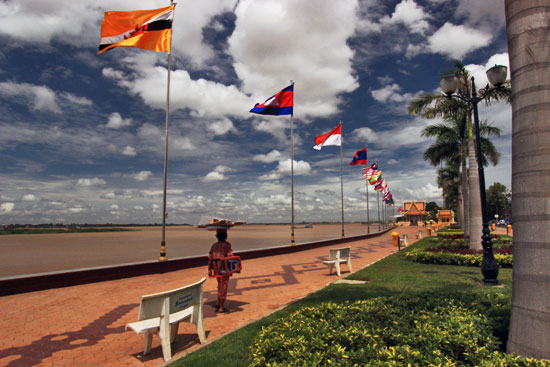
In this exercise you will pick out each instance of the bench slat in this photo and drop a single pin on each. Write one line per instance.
(152, 325)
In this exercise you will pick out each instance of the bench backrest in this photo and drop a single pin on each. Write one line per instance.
(179, 300)
(340, 253)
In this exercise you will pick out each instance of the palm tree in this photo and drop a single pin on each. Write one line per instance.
(448, 180)
(453, 145)
(438, 105)
(528, 37)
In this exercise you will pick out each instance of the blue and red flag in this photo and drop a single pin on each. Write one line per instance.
(360, 157)
(279, 104)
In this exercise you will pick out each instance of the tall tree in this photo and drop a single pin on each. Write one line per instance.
(438, 105)
(448, 178)
(498, 200)
(432, 208)
(453, 144)
(527, 25)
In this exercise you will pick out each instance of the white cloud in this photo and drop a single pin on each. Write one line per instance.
(270, 157)
(138, 207)
(114, 207)
(129, 151)
(202, 97)
(6, 207)
(88, 182)
(409, 13)
(220, 127)
(390, 93)
(41, 97)
(489, 14)
(392, 161)
(223, 169)
(364, 134)
(310, 48)
(456, 41)
(182, 143)
(271, 200)
(217, 174)
(300, 168)
(116, 121)
(62, 19)
(273, 127)
(141, 176)
(82, 101)
(29, 197)
(427, 192)
(214, 176)
(78, 22)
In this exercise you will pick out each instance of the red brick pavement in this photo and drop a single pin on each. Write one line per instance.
(84, 325)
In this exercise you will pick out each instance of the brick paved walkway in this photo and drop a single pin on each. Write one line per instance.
(84, 325)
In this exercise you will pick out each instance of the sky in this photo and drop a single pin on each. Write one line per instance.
(82, 135)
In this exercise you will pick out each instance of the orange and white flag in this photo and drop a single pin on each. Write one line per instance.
(146, 29)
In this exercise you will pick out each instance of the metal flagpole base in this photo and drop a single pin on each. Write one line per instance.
(163, 252)
(292, 240)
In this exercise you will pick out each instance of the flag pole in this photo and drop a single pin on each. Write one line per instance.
(162, 256)
(378, 202)
(342, 178)
(385, 214)
(367, 184)
(292, 239)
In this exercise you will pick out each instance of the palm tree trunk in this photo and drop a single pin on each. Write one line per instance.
(528, 39)
(460, 207)
(466, 200)
(476, 220)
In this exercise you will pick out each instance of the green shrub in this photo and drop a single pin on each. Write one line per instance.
(449, 258)
(390, 331)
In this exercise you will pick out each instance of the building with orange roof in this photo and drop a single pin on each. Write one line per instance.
(415, 212)
(445, 216)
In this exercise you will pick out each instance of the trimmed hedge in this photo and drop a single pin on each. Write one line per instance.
(422, 330)
(451, 258)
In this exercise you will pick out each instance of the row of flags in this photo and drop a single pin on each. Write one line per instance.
(282, 104)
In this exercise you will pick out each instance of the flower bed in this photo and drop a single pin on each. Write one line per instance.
(458, 330)
(451, 258)
(453, 249)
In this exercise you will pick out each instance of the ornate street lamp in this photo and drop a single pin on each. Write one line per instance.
(449, 86)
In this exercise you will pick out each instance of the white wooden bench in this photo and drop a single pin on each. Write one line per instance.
(161, 314)
(338, 256)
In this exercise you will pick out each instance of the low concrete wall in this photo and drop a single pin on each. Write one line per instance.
(58, 279)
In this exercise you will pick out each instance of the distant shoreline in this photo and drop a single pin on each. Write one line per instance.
(38, 230)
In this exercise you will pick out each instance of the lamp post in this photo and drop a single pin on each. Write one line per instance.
(449, 86)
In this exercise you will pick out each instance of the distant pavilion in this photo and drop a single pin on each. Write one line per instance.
(415, 212)
(445, 216)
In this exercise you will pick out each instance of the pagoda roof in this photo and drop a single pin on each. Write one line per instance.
(414, 208)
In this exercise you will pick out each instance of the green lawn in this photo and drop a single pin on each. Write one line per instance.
(391, 276)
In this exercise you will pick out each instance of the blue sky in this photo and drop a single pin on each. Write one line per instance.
(82, 135)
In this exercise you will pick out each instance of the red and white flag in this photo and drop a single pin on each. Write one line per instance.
(332, 138)
(365, 170)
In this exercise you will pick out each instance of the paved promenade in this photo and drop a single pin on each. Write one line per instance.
(84, 325)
